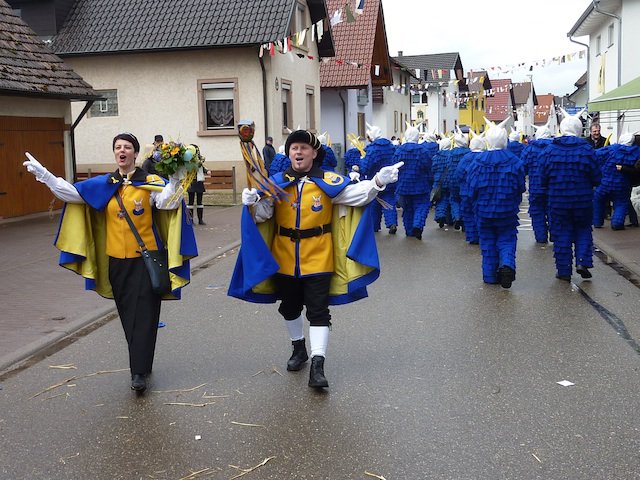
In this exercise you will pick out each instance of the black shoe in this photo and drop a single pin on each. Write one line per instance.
(474, 242)
(201, 222)
(618, 227)
(506, 275)
(316, 373)
(393, 229)
(457, 225)
(441, 222)
(138, 382)
(566, 278)
(298, 357)
(583, 271)
(417, 232)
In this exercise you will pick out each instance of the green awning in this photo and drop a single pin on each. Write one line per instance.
(625, 97)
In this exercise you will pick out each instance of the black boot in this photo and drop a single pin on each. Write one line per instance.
(316, 373)
(417, 232)
(583, 271)
(393, 229)
(200, 215)
(298, 357)
(506, 275)
(138, 382)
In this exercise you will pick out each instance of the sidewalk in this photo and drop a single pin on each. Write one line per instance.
(43, 303)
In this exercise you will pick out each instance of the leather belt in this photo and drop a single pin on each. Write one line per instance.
(295, 234)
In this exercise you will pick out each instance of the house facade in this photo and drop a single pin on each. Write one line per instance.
(613, 73)
(352, 82)
(392, 105)
(525, 99)
(500, 104)
(437, 91)
(546, 113)
(37, 91)
(194, 80)
(473, 102)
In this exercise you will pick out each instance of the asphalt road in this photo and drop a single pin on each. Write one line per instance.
(435, 376)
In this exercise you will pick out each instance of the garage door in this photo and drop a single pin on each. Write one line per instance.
(20, 193)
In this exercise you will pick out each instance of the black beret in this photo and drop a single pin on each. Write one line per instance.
(129, 137)
(303, 136)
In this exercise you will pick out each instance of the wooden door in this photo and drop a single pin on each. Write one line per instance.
(20, 193)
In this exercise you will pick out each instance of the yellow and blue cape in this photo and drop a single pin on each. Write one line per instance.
(355, 252)
(81, 236)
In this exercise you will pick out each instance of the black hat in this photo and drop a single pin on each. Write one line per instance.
(129, 137)
(303, 136)
(158, 138)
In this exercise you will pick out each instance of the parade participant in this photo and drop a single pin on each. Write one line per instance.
(353, 156)
(533, 160)
(476, 145)
(96, 241)
(460, 149)
(280, 162)
(429, 142)
(496, 183)
(414, 183)
(595, 139)
(440, 189)
(196, 189)
(379, 153)
(569, 173)
(515, 144)
(149, 163)
(615, 186)
(330, 161)
(303, 262)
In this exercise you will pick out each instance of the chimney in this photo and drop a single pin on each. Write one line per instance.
(399, 53)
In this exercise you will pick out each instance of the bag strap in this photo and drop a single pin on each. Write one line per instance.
(444, 174)
(123, 212)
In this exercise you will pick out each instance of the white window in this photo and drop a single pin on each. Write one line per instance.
(108, 107)
(598, 45)
(299, 23)
(311, 108)
(287, 110)
(610, 32)
(218, 106)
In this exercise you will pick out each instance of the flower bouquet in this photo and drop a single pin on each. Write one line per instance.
(177, 158)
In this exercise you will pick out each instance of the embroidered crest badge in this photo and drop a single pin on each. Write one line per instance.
(333, 178)
(138, 209)
(317, 204)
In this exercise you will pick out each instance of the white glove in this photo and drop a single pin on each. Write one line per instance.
(36, 168)
(250, 196)
(388, 175)
(354, 176)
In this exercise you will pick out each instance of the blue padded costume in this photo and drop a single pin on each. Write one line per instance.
(329, 162)
(496, 183)
(380, 154)
(440, 170)
(351, 158)
(538, 208)
(615, 186)
(279, 164)
(461, 176)
(570, 171)
(515, 147)
(414, 185)
(454, 187)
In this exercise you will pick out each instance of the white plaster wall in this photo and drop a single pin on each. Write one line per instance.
(630, 39)
(331, 118)
(159, 94)
(610, 60)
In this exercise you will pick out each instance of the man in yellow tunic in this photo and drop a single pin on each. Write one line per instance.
(303, 245)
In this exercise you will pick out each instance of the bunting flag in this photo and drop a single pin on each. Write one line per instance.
(349, 14)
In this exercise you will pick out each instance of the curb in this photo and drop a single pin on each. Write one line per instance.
(11, 361)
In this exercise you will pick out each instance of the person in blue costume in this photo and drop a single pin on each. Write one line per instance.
(414, 183)
(352, 159)
(379, 153)
(280, 162)
(467, 210)
(533, 160)
(96, 242)
(330, 161)
(460, 149)
(569, 173)
(496, 183)
(615, 186)
(309, 249)
(429, 142)
(440, 170)
(515, 145)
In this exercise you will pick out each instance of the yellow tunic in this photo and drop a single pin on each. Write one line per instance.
(309, 208)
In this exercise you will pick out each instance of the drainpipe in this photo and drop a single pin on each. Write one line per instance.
(264, 97)
(620, 119)
(72, 137)
(344, 123)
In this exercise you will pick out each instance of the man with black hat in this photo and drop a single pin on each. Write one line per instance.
(149, 164)
(268, 152)
(308, 269)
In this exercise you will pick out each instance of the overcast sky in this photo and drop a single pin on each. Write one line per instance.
(496, 33)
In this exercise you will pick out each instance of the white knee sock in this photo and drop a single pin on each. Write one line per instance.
(295, 328)
(318, 339)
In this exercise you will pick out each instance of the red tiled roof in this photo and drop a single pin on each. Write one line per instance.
(500, 105)
(354, 42)
(541, 111)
